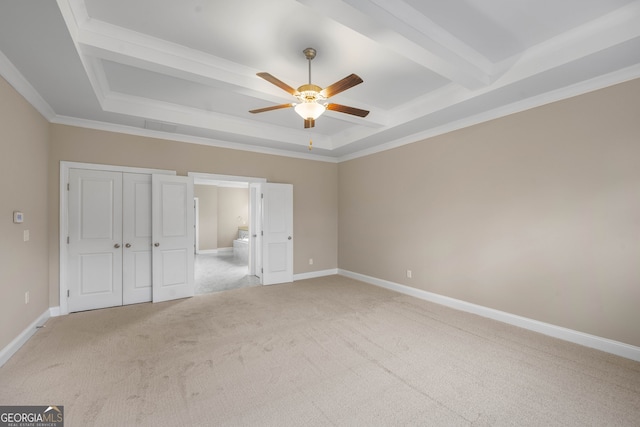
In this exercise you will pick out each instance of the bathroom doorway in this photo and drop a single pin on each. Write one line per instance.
(225, 255)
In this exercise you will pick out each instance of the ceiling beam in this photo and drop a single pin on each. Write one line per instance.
(412, 35)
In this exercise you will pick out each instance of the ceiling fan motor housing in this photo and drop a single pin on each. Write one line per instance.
(309, 93)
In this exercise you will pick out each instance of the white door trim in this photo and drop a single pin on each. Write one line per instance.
(63, 226)
(196, 224)
(218, 177)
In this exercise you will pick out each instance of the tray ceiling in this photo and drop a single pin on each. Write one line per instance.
(186, 70)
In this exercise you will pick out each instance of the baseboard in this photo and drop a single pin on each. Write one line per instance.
(54, 311)
(604, 344)
(215, 251)
(314, 274)
(207, 252)
(20, 340)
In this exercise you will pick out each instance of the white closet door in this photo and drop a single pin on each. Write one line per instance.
(95, 239)
(136, 236)
(173, 237)
(277, 241)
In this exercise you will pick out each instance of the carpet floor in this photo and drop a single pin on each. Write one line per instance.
(318, 352)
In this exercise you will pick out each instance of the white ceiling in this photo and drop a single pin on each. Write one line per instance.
(186, 69)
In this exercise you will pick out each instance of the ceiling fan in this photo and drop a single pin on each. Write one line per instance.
(310, 96)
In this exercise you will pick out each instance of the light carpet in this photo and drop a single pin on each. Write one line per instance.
(326, 351)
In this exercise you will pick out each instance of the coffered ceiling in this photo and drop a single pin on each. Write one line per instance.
(186, 69)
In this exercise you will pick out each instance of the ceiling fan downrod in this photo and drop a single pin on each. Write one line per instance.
(309, 53)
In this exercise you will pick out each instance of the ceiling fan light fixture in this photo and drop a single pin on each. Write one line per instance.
(309, 110)
(311, 96)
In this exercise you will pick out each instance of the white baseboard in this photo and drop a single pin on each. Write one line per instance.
(314, 274)
(215, 251)
(20, 340)
(207, 252)
(54, 311)
(604, 344)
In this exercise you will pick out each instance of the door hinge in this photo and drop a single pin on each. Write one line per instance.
(68, 186)
(262, 195)
(68, 293)
(262, 233)
(262, 270)
(67, 240)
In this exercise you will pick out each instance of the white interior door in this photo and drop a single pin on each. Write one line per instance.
(95, 239)
(173, 237)
(277, 228)
(255, 231)
(136, 237)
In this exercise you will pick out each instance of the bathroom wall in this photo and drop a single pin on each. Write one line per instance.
(233, 211)
(208, 216)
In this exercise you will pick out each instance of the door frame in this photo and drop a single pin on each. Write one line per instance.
(253, 249)
(65, 166)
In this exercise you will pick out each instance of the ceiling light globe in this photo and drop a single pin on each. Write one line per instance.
(309, 110)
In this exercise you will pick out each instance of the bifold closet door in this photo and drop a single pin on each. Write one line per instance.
(111, 258)
(95, 239)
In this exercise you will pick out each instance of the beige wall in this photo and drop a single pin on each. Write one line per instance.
(536, 214)
(23, 176)
(315, 185)
(207, 216)
(233, 203)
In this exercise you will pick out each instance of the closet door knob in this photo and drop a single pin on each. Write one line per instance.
(156, 244)
(128, 245)
(117, 245)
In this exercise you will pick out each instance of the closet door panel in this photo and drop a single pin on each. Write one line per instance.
(173, 237)
(95, 239)
(136, 235)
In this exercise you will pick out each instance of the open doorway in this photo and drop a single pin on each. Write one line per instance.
(225, 240)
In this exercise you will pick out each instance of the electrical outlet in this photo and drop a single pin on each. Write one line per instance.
(26, 297)
(25, 235)
(310, 261)
(409, 274)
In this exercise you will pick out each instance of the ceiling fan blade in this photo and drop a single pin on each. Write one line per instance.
(273, 107)
(348, 110)
(340, 86)
(282, 85)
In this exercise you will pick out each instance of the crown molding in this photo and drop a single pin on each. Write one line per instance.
(13, 76)
(131, 130)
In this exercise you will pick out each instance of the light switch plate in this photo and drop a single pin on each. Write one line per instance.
(18, 218)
